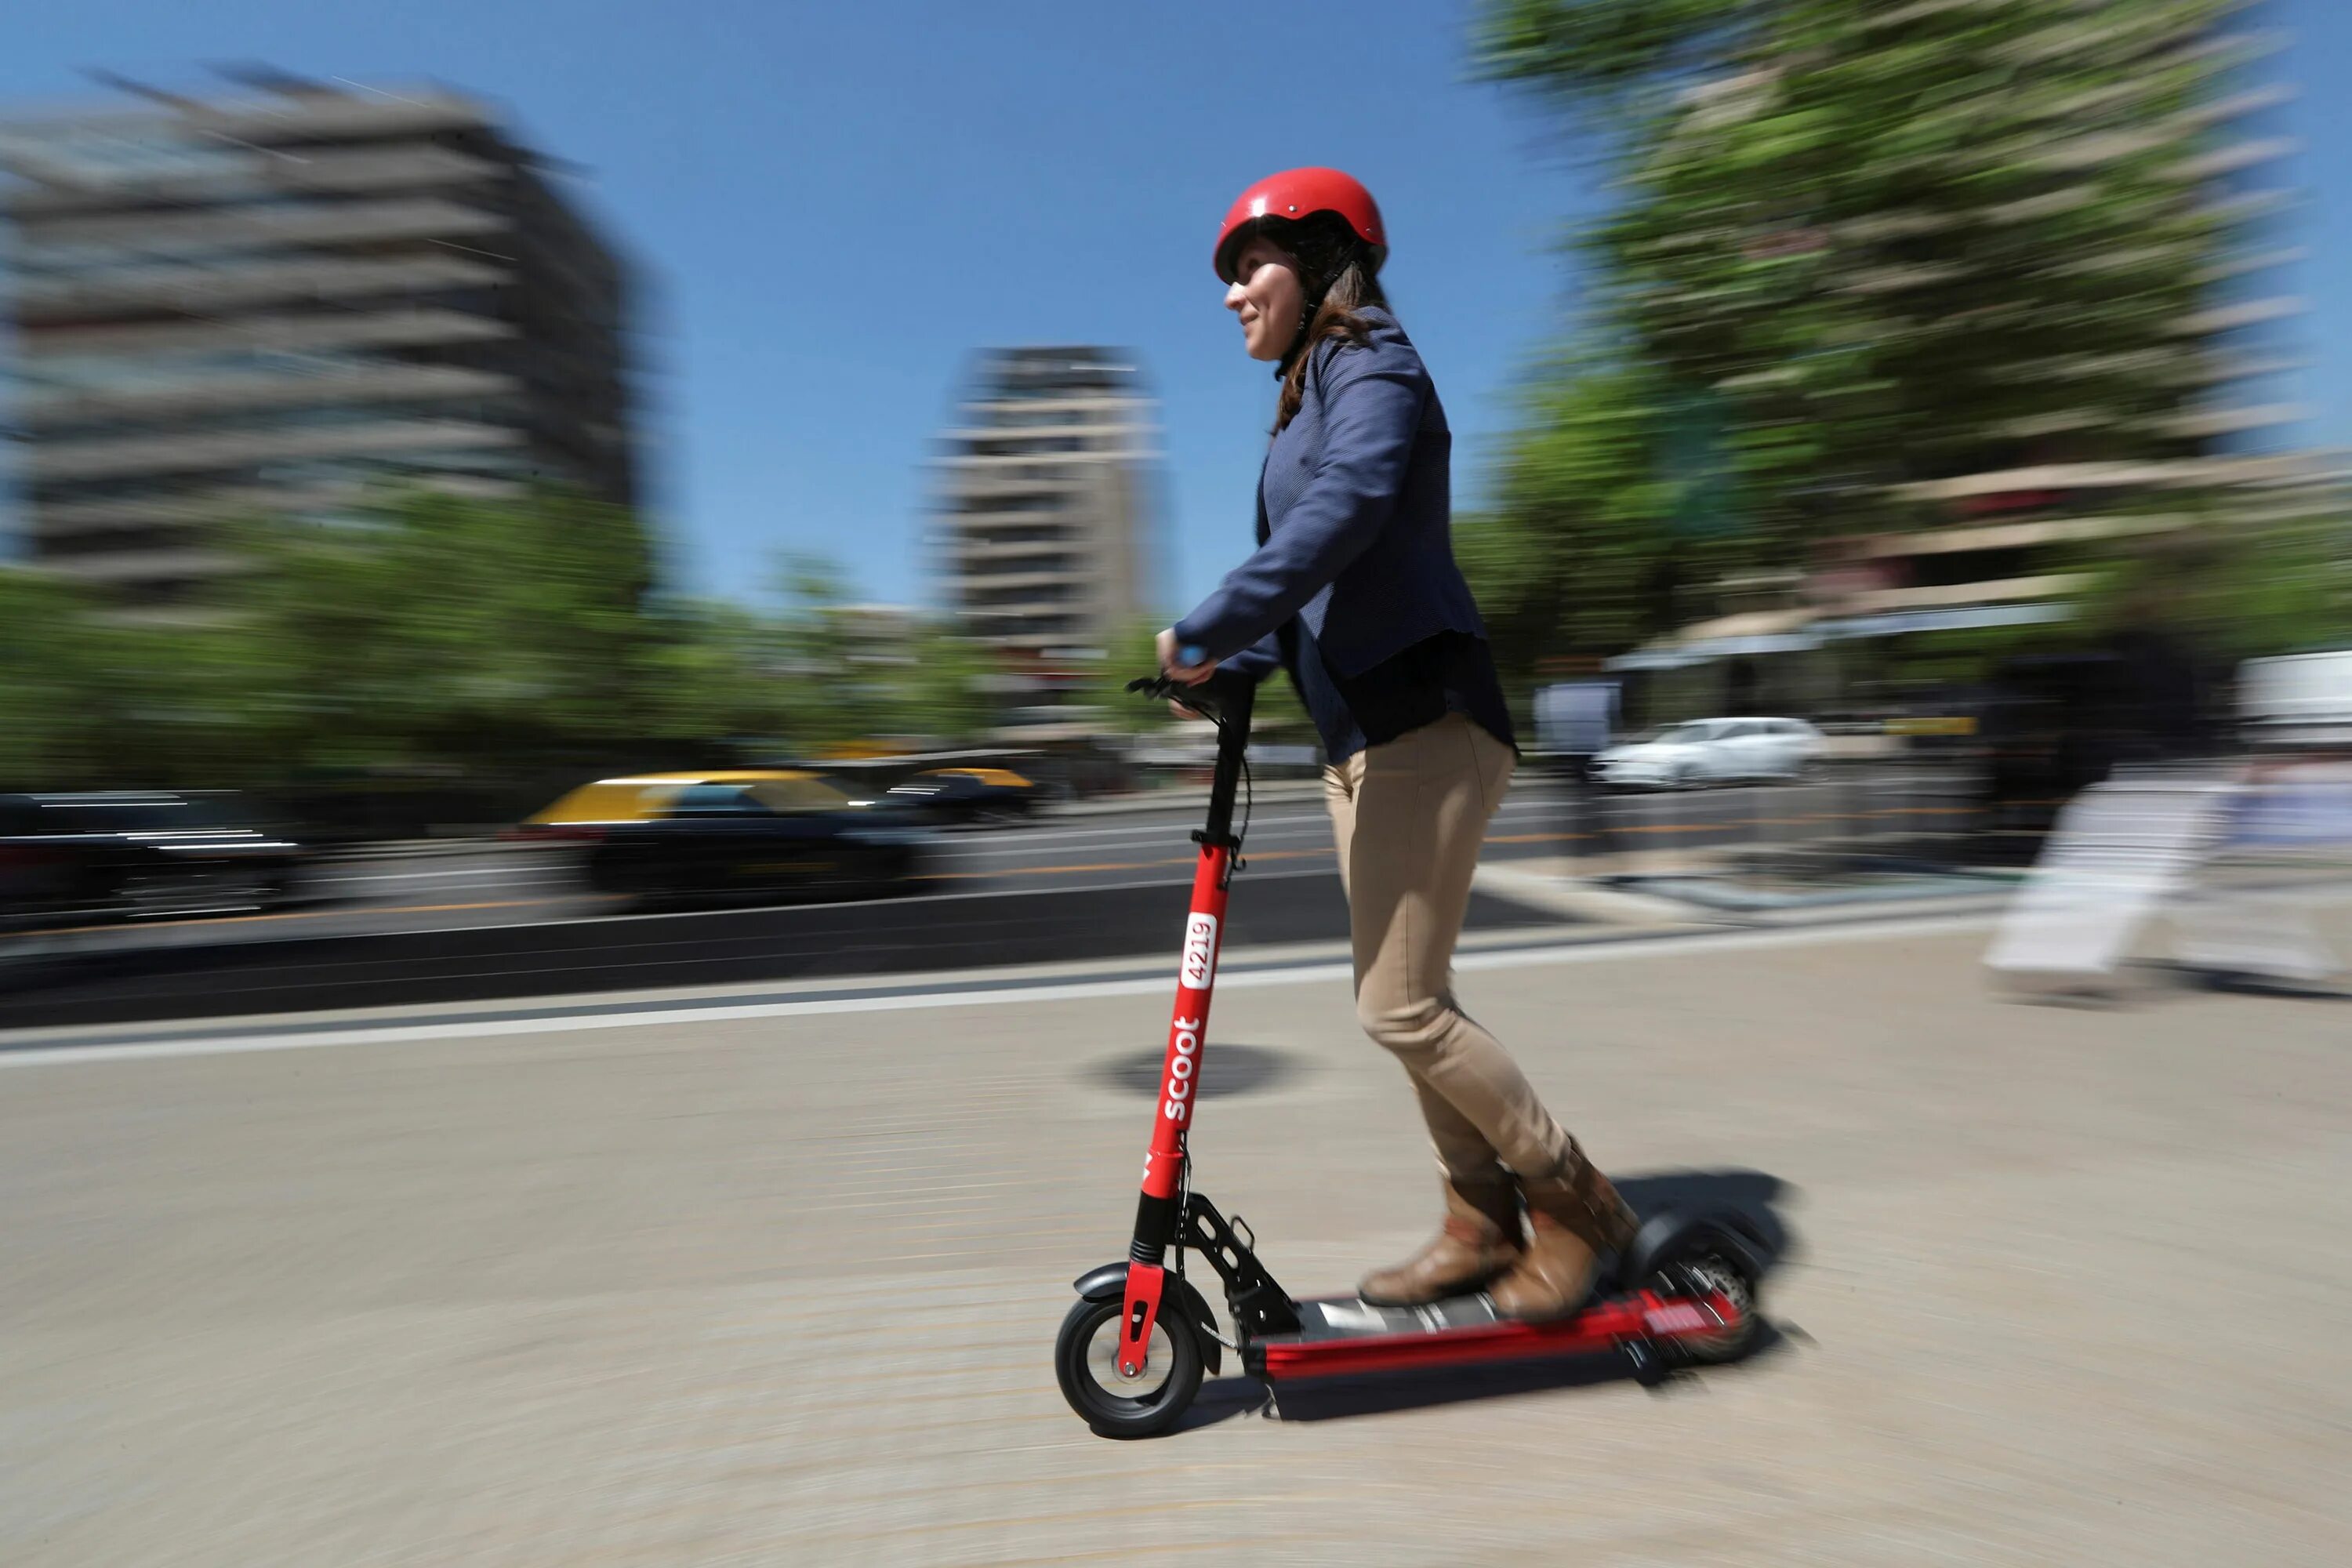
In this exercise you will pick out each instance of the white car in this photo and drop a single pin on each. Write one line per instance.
(1711, 751)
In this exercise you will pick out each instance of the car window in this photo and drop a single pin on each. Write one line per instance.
(704, 798)
(799, 794)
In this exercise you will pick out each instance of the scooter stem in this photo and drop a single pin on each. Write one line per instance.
(1157, 1216)
(1158, 1211)
(1179, 1070)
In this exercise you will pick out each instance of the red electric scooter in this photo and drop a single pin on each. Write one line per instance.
(1131, 1351)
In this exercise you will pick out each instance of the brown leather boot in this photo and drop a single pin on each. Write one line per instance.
(1479, 1239)
(1575, 1215)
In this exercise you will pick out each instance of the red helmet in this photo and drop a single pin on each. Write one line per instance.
(1296, 194)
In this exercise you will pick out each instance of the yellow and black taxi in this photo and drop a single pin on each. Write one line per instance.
(741, 833)
(967, 794)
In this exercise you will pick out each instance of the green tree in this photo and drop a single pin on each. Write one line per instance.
(709, 671)
(1135, 652)
(60, 700)
(943, 690)
(1863, 246)
(1578, 555)
(495, 642)
(435, 631)
(851, 672)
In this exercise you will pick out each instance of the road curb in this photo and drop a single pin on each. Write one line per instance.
(1583, 900)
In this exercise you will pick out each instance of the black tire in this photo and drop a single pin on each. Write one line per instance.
(1702, 1259)
(1081, 1364)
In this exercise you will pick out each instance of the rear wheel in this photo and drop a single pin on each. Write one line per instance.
(1086, 1360)
(1699, 1267)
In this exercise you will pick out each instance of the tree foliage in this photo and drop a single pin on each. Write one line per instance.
(1861, 246)
(437, 636)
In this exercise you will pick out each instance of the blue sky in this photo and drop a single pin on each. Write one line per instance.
(833, 204)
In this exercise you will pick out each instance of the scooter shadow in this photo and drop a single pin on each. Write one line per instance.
(1748, 1195)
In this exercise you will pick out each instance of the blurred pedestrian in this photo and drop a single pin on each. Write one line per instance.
(1353, 590)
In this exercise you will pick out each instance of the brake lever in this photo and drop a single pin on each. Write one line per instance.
(1160, 686)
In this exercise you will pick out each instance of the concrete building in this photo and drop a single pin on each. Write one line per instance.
(1046, 525)
(276, 302)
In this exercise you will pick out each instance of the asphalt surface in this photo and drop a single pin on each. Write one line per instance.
(481, 885)
(2062, 1286)
(479, 922)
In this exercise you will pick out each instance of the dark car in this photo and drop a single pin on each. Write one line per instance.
(966, 794)
(784, 835)
(133, 854)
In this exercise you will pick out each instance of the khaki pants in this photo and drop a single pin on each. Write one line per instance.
(1410, 817)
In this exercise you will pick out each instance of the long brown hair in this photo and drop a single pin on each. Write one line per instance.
(1336, 269)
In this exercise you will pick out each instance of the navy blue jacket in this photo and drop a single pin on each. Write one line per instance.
(1355, 519)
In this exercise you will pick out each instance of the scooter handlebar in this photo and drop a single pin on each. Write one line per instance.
(1212, 698)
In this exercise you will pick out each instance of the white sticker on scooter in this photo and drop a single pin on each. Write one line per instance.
(1200, 952)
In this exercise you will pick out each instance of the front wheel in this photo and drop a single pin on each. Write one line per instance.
(1086, 1360)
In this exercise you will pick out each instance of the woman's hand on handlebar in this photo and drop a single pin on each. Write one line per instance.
(1172, 661)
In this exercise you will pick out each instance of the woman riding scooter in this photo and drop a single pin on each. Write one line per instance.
(1353, 590)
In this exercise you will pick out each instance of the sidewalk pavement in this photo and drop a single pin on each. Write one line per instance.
(2070, 1286)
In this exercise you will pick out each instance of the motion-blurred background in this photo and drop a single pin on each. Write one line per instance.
(1902, 416)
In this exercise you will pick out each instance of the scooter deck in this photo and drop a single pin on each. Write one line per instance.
(1340, 1335)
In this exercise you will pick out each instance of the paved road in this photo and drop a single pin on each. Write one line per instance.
(479, 923)
(778, 1285)
(501, 886)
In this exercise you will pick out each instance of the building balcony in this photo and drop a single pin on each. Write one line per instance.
(128, 567)
(1010, 533)
(2064, 478)
(989, 479)
(261, 283)
(166, 454)
(387, 383)
(158, 235)
(971, 551)
(395, 326)
(61, 520)
(393, 168)
(1101, 437)
(1019, 605)
(1037, 588)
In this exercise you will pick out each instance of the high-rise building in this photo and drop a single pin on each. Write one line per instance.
(274, 303)
(1046, 525)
